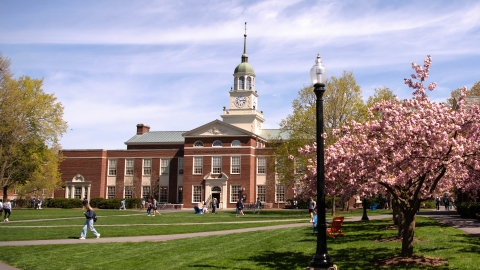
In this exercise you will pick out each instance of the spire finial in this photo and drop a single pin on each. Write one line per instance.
(245, 40)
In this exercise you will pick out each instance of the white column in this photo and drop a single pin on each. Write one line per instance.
(72, 191)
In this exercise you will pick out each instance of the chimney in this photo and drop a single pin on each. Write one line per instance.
(142, 128)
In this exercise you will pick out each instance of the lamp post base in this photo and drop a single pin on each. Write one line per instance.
(334, 267)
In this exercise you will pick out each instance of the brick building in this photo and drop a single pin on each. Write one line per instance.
(222, 159)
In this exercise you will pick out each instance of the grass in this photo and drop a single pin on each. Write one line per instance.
(291, 248)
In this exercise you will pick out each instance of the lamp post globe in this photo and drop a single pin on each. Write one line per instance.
(321, 259)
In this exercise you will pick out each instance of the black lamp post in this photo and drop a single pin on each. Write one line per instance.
(321, 259)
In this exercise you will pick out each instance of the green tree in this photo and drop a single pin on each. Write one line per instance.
(455, 94)
(31, 124)
(342, 102)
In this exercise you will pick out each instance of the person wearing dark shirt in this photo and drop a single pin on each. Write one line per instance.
(240, 207)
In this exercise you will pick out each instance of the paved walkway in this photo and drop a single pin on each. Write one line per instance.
(469, 226)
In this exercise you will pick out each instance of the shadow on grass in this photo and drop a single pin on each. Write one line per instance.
(281, 260)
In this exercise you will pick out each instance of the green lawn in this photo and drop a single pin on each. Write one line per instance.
(273, 249)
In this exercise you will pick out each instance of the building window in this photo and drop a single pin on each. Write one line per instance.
(261, 165)
(129, 167)
(112, 167)
(197, 194)
(241, 82)
(262, 193)
(216, 165)
(217, 143)
(197, 165)
(146, 192)
(15, 191)
(234, 191)
(164, 164)
(180, 165)
(236, 143)
(111, 192)
(198, 144)
(163, 194)
(180, 195)
(299, 167)
(78, 193)
(249, 83)
(280, 194)
(128, 192)
(147, 166)
(235, 165)
(44, 191)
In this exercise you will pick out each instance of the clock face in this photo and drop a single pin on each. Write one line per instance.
(240, 101)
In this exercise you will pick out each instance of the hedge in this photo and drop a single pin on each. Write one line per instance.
(468, 209)
(114, 203)
(62, 203)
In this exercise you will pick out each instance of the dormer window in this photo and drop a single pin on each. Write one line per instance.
(198, 144)
(241, 83)
(236, 143)
(217, 143)
(249, 83)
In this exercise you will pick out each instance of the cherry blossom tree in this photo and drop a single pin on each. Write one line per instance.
(413, 151)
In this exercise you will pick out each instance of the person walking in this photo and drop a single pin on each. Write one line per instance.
(1, 207)
(7, 208)
(437, 203)
(90, 218)
(40, 203)
(143, 203)
(149, 207)
(122, 205)
(311, 208)
(240, 207)
(155, 207)
(258, 206)
(214, 205)
(446, 202)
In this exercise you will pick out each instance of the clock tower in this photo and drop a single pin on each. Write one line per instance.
(243, 106)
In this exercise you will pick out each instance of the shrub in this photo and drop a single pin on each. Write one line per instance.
(429, 204)
(133, 203)
(468, 209)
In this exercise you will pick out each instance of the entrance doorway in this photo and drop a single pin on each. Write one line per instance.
(216, 193)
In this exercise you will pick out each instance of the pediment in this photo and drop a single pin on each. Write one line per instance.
(216, 128)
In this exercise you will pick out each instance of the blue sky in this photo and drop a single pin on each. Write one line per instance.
(169, 64)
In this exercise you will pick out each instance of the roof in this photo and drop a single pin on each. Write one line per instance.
(244, 67)
(158, 137)
(177, 136)
(275, 134)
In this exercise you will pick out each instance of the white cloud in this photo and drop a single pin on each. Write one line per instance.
(169, 64)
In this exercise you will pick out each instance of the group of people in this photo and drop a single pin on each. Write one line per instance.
(447, 202)
(152, 207)
(7, 208)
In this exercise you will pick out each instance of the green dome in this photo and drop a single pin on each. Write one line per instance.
(244, 68)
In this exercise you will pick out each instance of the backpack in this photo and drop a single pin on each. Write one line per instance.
(94, 217)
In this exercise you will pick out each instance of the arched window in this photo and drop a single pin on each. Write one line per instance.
(198, 144)
(241, 83)
(217, 143)
(249, 83)
(236, 143)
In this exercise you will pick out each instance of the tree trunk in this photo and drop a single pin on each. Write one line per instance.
(408, 233)
(400, 219)
(333, 206)
(396, 211)
(5, 195)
